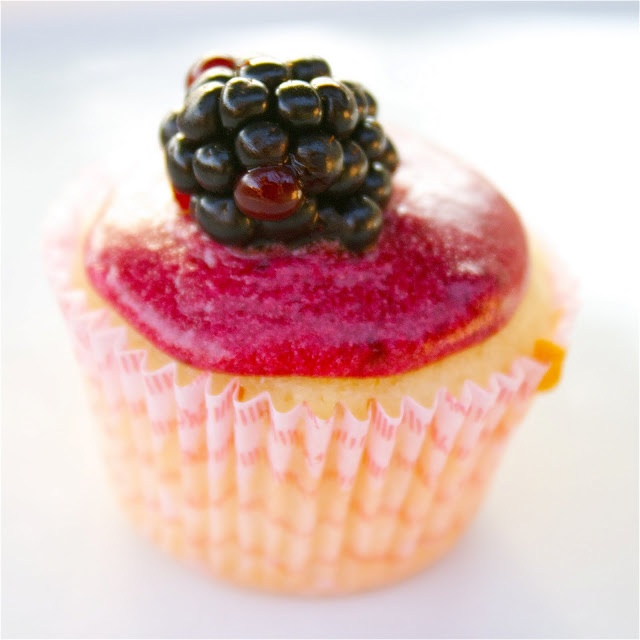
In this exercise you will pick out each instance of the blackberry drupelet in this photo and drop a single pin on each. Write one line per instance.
(362, 219)
(179, 157)
(270, 72)
(299, 104)
(300, 223)
(199, 119)
(214, 167)
(222, 220)
(261, 143)
(242, 99)
(318, 159)
(339, 109)
(221, 74)
(168, 127)
(377, 184)
(309, 68)
(355, 165)
(389, 157)
(370, 136)
(265, 151)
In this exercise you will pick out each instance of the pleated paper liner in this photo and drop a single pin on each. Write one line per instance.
(283, 501)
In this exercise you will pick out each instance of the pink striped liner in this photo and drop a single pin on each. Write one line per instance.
(398, 477)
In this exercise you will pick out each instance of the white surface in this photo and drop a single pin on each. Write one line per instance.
(545, 101)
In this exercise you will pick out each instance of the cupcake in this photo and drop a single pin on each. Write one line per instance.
(306, 345)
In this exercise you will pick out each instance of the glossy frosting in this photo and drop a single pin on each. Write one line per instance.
(449, 270)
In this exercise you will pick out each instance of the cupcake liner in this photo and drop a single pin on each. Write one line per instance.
(285, 501)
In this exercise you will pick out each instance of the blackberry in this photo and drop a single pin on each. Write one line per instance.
(267, 151)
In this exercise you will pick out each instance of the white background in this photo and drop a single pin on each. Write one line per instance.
(545, 100)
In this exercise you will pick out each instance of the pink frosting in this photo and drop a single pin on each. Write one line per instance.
(449, 270)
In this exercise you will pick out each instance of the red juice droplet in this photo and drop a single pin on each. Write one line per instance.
(183, 199)
(207, 63)
(268, 193)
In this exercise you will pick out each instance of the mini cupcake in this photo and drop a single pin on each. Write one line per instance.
(306, 344)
